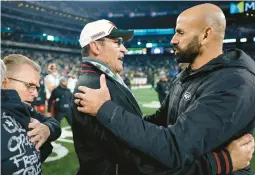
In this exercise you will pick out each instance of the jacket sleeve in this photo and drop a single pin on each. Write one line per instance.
(54, 126)
(162, 112)
(120, 152)
(210, 164)
(216, 115)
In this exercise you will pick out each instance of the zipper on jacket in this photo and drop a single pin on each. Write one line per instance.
(117, 169)
(173, 104)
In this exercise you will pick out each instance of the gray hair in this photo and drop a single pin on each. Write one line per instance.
(3, 71)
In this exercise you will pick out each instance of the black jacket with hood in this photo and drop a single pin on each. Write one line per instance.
(101, 153)
(63, 98)
(18, 154)
(205, 110)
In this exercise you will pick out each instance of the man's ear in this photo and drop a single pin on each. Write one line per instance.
(5, 82)
(207, 35)
(94, 47)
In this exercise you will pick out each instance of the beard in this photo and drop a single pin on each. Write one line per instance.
(189, 53)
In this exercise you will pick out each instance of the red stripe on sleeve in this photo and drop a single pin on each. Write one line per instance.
(218, 163)
(227, 162)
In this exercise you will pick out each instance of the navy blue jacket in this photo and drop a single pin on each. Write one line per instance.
(63, 97)
(18, 153)
(205, 110)
(162, 90)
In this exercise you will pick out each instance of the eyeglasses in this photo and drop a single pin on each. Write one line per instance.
(31, 87)
(118, 41)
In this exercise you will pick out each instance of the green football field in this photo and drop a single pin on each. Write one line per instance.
(64, 161)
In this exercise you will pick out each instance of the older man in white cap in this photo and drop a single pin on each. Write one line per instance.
(103, 53)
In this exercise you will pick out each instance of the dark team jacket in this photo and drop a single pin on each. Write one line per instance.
(101, 153)
(162, 89)
(205, 110)
(18, 153)
(63, 98)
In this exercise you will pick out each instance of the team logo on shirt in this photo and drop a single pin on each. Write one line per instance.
(187, 96)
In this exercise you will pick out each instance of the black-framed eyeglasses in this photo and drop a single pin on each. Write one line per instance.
(116, 40)
(120, 42)
(31, 87)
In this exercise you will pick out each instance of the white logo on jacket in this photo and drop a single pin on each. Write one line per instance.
(18, 144)
(187, 96)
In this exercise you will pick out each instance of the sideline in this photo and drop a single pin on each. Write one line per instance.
(59, 151)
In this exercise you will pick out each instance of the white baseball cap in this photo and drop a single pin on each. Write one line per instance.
(101, 28)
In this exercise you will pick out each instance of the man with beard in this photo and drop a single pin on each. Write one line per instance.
(210, 103)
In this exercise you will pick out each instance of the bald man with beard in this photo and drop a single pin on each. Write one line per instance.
(199, 35)
(210, 103)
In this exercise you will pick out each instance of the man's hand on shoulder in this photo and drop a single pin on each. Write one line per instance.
(90, 100)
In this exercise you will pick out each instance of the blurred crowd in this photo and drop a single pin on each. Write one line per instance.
(69, 64)
(135, 66)
(141, 66)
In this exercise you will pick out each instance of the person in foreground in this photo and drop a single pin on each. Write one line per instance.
(210, 103)
(25, 133)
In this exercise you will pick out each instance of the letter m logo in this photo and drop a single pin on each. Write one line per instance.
(249, 6)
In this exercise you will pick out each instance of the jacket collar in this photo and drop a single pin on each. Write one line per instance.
(12, 106)
(104, 68)
(230, 59)
(10, 95)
